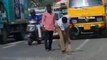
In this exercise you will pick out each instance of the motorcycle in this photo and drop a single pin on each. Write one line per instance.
(32, 32)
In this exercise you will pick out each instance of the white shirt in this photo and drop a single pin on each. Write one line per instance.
(63, 26)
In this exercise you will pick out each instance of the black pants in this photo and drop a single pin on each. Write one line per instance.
(48, 37)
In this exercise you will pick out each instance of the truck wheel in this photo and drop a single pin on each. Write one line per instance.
(74, 33)
(3, 37)
(72, 37)
(18, 36)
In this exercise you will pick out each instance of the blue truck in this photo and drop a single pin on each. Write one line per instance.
(11, 24)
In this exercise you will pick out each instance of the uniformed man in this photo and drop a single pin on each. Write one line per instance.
(62, 27)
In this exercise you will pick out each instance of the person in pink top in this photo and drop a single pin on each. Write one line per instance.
(48, 24)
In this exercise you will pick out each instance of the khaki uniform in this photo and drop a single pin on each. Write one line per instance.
(64, 40)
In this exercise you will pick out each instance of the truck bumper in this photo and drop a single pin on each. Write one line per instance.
(93, 26)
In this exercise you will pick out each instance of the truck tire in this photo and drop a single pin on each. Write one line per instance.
(72, 37)
(3, 37)
(74, 33)
(18, 36)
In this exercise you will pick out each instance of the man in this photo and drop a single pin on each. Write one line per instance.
(48, 24)
(62, 26)
(36, 17)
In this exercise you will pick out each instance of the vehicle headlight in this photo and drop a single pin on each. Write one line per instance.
(99, 19)
(74, 21)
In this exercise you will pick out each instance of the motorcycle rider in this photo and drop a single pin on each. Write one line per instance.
(36, 17)
(33, 21)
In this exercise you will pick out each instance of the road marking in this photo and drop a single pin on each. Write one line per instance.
(12, 44)
(9, 46)
(81, 45)
(15, 43)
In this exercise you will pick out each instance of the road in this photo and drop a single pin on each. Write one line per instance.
(82, 49)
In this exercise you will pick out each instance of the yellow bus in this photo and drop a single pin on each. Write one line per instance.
(86, 16)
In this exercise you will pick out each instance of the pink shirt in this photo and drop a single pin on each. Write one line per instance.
(48, 21)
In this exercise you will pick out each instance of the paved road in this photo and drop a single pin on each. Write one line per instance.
(83, 49)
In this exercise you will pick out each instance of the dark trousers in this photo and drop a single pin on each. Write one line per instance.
(48, 37)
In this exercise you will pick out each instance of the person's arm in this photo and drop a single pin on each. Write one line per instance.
(43, 19)
(54, 21)
(60, 25)
(62, 28)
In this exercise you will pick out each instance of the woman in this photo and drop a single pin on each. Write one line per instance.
(48, 24)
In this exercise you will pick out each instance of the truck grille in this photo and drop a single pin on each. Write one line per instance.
(87, 19)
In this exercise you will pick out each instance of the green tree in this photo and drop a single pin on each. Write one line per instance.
(31, 3)
(40, 3)
(45, 2)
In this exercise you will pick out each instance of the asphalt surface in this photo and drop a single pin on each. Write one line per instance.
(88, 48)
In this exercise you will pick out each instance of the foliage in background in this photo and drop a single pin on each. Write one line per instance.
(40, 3)
(45, 2)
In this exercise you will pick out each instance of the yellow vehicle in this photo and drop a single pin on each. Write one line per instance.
(86, 16)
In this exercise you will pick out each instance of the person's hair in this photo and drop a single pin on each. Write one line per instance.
(64, 19)
(48, 7)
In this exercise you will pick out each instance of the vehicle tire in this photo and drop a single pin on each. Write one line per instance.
(72, 37)
(37, 39)
(74, 33)
(3, 37)
(30, 42)
(39, 42)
